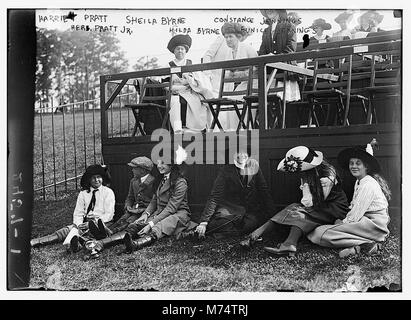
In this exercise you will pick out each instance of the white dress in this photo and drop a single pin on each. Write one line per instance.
(198, 88)
(229, 119)
(218, 51)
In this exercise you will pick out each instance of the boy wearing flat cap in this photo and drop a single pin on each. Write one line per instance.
(95, 202)
(139, 196)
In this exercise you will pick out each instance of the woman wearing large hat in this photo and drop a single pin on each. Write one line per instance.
(168, 213)
(220, 51)
(96, 201)
(366, 224)
(323, 201)
(188, 89)
(343, 19)
(234, 34)
(367, 22)
(319, 26)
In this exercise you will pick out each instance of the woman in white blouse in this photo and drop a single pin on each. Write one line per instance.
(234, 34)
(366, 224)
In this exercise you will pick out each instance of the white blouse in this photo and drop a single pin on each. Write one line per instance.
(367, 197)
(103, 208)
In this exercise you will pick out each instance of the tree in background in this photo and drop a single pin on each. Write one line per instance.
(69, 63)
(145, 63)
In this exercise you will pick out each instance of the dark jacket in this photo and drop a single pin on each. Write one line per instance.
(167, 201)
(252, 198)
(283, 41)
(140, 192)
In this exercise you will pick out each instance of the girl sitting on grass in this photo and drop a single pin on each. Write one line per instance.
(96, 201)
(366, 224)
(323, 201)
(168, 212)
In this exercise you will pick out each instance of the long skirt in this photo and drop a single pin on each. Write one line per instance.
(373, 226)
(197, 117)
(172, 225)
(307, 219)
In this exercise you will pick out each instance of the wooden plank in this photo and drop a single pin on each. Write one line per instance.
(272, 148)
(376, 37)
(301, 70)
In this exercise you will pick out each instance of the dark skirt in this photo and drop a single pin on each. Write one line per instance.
(307, 219)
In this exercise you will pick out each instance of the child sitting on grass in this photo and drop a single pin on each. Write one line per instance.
(95, 201)
(366, 225)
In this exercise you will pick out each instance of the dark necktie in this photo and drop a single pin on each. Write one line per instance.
(244, 179)
(163, 182)
(92, 202)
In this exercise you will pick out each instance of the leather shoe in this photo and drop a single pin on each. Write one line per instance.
(76, 243)
(282, 250)
(349, 251)
(249, 242)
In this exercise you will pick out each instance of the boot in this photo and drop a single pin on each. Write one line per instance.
(55, 237)
(134, 228)
(103, 229)
(77, 243)
(96, 247)
(95, 230)
(140, 243)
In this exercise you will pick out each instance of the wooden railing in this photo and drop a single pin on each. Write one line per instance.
(378, 43)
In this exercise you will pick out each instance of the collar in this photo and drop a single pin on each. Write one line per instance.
(144, 178)
(92, 189)
(166, 176)
(273, 26)
(180, 63)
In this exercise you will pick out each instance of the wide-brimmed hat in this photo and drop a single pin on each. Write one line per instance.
(371, 15)
(231, 27)
(92, 170)
(179, 40)
(320, 22)
(142, 162)
(300, 158)
(344, 16)
(364, 153)
(294, 18)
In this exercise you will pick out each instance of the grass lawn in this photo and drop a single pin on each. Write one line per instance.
(77, 144)
(210, 265)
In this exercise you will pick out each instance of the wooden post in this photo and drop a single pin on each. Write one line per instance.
(262, 97)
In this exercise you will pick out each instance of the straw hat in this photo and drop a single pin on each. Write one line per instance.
(320, 22)
(345, 16)
(371, 15)
(300, 158)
